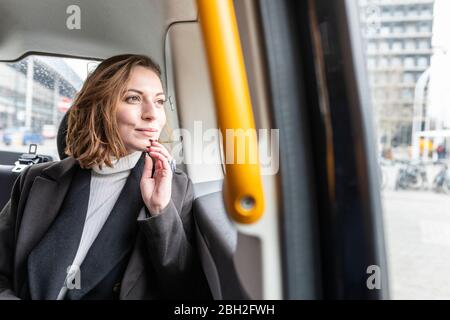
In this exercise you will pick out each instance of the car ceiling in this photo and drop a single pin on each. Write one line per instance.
(108, 27)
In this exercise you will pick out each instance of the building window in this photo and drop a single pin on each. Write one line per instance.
(384, 46)
(424, 44)
(397, 46)
(426, 11)
(396, 62)
(384, 62)
(408, 78)
(425, 27)
(422, 62)
(409, 62)
(407, 94)
(410, 45)
(398, 28)
(372, 46)
(385, 30)
(399, 12)
(411, 28)
(412, 11)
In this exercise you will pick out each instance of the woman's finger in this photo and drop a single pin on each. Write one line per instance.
(157, 144)
(164, 152)
(164, 161)
(148, 166)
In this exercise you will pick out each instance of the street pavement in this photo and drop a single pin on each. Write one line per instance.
(417, 233)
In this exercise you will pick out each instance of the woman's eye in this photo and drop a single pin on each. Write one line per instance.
(133, 99)
(160, 102)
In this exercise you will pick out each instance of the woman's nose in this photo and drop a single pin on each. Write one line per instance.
(148, 110)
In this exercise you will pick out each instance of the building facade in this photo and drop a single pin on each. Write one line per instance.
(398, 39)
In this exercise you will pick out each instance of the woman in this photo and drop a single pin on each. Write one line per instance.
(113, 220)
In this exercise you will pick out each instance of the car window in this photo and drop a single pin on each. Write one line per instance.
(35, 93)
(406, 48)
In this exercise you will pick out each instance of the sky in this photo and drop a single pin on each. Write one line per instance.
(439, 86)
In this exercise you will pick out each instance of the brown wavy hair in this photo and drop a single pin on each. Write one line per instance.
(92, 132)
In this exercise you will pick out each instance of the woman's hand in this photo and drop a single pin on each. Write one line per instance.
(157, 191)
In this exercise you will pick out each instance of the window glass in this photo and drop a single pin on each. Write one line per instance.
(384, 46)
(398, 28)
(372, 46)
(409, 62)
(397, 45)
(411, 28)
(408, 78)
(410, 45)
(412, 120)
(396, 62)
(35, 93)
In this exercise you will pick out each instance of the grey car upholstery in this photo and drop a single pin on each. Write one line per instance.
(9, 157)
(217, 240)
(7, 178)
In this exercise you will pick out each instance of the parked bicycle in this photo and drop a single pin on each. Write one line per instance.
(412, 176)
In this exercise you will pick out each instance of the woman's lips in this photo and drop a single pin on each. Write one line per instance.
(147, 132)
(147, 129)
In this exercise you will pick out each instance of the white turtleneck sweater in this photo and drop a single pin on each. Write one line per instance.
(105, 188)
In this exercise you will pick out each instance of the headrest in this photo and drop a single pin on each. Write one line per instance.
(61, 137)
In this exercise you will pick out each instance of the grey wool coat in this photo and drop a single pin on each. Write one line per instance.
(163, 262)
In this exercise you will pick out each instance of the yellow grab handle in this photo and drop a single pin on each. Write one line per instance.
(243, 190)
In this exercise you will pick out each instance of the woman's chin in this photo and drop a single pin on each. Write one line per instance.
(144, 143)
(141, 144)
(138, 147)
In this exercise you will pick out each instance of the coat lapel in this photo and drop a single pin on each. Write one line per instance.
(42, 206)
(49, 260)
(116, 238)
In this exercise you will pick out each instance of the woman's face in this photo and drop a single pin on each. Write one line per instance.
(140, 112)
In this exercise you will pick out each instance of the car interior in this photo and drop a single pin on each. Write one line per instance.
(169, 32)
(294, 250)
